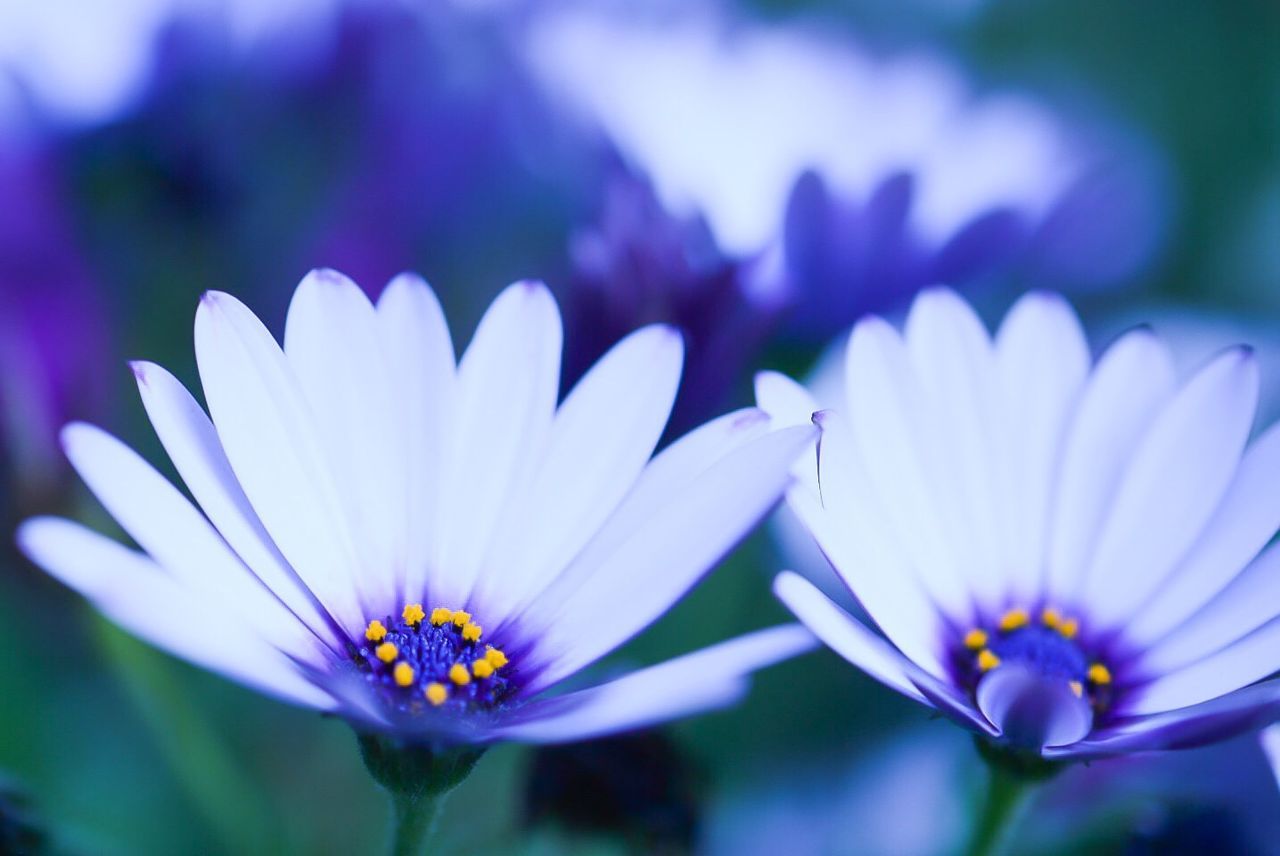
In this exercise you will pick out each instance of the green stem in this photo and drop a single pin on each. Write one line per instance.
(415, 820)
(1007, 799)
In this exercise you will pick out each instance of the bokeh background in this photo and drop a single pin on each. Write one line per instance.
(759, 173)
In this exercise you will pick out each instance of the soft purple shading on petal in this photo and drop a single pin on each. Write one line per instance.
(134, 592)
(618, 586)
(1032, 710)
(1270, 740)
(508, 384)
(1245, 521)
(334, 345)
(268, 432)
(178, 538)
(1209, 722)
(422, 366)
(192, 444)
(602, 437)
(1129, 385)
(1245, 661)
(1250, 601)
(1178, 473)
(1043, 363)
(712, 677)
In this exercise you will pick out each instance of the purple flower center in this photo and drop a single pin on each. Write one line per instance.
(420, 661)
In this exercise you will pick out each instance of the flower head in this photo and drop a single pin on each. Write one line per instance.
(1066, 557)
(424, 547)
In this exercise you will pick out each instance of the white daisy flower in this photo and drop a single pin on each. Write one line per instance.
(1067, 557)
(426, 547)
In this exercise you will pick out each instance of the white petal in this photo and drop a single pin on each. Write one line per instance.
(1250, 659)
(844, 634)
(1043, 361)
(135, 593)
(508, 382)
(179, 538)
(334, 344)
(886, 418)
(668, 474)
(422, 370)
(710, 678)
(268, 432)
(955, 368)
(856, 538)
(600, 441)
(618, 586)
(850, 639)
(1243, 524)
(789, 403)
(189, 437)
(1250, 601)
(1132, 380)
(1176, 478)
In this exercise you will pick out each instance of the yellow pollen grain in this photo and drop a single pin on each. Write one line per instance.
(459, 675)
(460, 618)
(496, 658)
(386, 652)
(403, 674)
(471, 632)
(986, 660)
(1069, 628)
(436, 693)
(413, 613)
(1050, 617)
(1099, 674)
(441, 615)
(975, 639)
(1013, 619)
(375, 632)
(1077, 688)
(482, 668)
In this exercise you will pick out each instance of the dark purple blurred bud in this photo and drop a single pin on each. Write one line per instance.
(53, 329)
(638, 787)
(636, 265)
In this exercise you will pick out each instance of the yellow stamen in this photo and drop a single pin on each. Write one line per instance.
(436, 693)
(386, 652)
(1076, 687)
(1013, 619)
(1069, 628)
(986, 660)
(403, 674)
(459, 675)
(471, 632)
(1099, 674)
(413, 613)
(375, 632)
(496, 658)
(1051, 617)
(441, 615)
(975, 639)
(460, 618)
(482, 668)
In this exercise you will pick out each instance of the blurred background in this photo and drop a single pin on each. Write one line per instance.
(760, 173)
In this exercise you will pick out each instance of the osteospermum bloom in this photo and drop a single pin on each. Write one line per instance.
(426, 548)
(1065, 556)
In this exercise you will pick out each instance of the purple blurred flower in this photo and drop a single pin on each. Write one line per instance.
(875, 177)
(1069, 559)
(640, 265)
(53, 329)
(422, 545)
